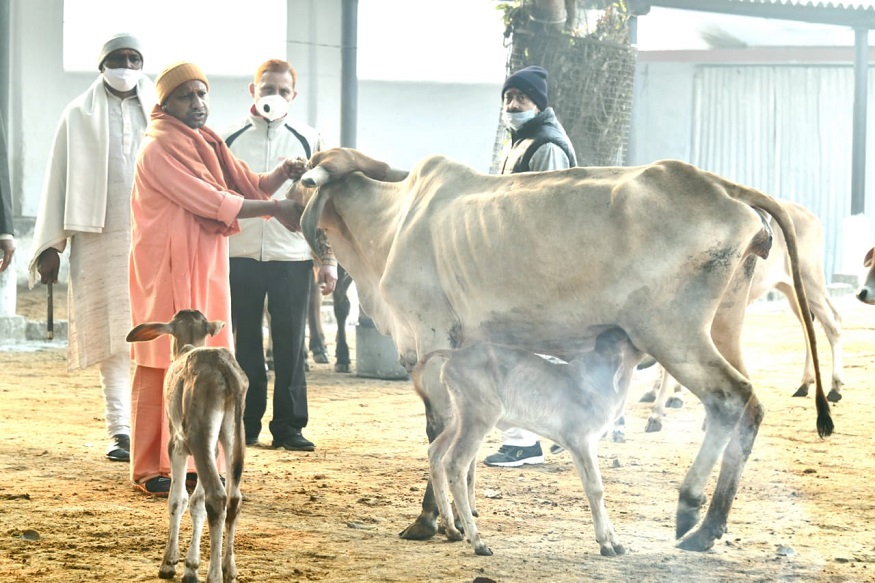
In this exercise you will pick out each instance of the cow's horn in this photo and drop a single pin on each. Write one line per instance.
(315, 177)
(310, 217)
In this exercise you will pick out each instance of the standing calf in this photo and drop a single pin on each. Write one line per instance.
(572, 404)
(204, 396)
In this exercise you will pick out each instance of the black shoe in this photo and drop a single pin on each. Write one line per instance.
(512, 456)
(191, 481)
(294, 441)
(119, 448)
(158, 486)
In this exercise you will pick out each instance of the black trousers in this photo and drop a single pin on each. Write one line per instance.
(286, 284)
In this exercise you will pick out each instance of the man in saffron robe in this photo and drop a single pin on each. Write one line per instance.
(189, 191)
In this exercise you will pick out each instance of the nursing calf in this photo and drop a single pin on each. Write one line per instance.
(204, 395)
(572, 404)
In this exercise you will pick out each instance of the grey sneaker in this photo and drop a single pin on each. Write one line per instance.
(512, 456)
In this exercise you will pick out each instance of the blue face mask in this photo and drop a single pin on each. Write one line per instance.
(517, 119)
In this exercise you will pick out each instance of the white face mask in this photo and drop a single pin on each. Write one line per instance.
(272, 107)
(517, 119)
(122, 80)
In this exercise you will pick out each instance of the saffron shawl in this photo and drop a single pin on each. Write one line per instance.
(187, 195)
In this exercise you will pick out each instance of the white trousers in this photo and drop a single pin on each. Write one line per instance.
(115, 380)
(516, 437)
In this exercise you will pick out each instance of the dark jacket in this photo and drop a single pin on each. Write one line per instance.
(5, 187)
(543, 129)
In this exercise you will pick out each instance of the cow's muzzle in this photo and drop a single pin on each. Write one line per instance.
(315, 177)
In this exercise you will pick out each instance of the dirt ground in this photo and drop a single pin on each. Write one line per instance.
(805, 510)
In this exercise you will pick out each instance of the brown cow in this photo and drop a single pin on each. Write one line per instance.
(547, 261)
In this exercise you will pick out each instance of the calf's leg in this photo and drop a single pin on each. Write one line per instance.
(459, 458)
(438, 471)
(177, 502)
(586, 461)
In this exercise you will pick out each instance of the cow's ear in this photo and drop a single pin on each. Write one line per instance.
(870, 258)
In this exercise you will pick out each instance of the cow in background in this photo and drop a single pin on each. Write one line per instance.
(444, 255)
(866, 294)
(341, 306)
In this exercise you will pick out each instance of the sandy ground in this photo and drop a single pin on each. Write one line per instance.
(805, 510)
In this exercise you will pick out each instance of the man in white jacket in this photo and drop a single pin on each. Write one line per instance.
(269, 261)
(86, 203)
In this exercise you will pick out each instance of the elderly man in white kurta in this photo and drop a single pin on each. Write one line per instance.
(86, 201)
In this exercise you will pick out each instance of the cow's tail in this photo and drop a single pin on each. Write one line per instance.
(762, 201)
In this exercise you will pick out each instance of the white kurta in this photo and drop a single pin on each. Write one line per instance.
(99, 307)
(86, 203)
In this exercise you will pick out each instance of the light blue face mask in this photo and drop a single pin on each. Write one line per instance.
(517, 119)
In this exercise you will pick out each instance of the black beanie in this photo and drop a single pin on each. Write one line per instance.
(533, 82)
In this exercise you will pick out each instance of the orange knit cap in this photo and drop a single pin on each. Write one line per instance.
(174, 76)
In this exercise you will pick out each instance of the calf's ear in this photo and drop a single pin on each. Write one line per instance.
(148, 331)
(215, 327)
(870, 258)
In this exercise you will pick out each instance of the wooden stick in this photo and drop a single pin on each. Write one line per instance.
(50, 317)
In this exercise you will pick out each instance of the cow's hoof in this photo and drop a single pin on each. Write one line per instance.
(341, 367)
(801, 391)
(320, 357)
(422, 529)
(686, 519)
(648, 397)
(454, 535)
(697, 541)
(167, 572)
(618, 436)
(483, 551)
(612, 550)
(674, 403)
(834, 396)
(653, 425)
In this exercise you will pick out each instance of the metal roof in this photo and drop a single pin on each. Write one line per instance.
(857, 15)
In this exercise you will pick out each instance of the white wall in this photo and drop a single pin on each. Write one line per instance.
(401, 122)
